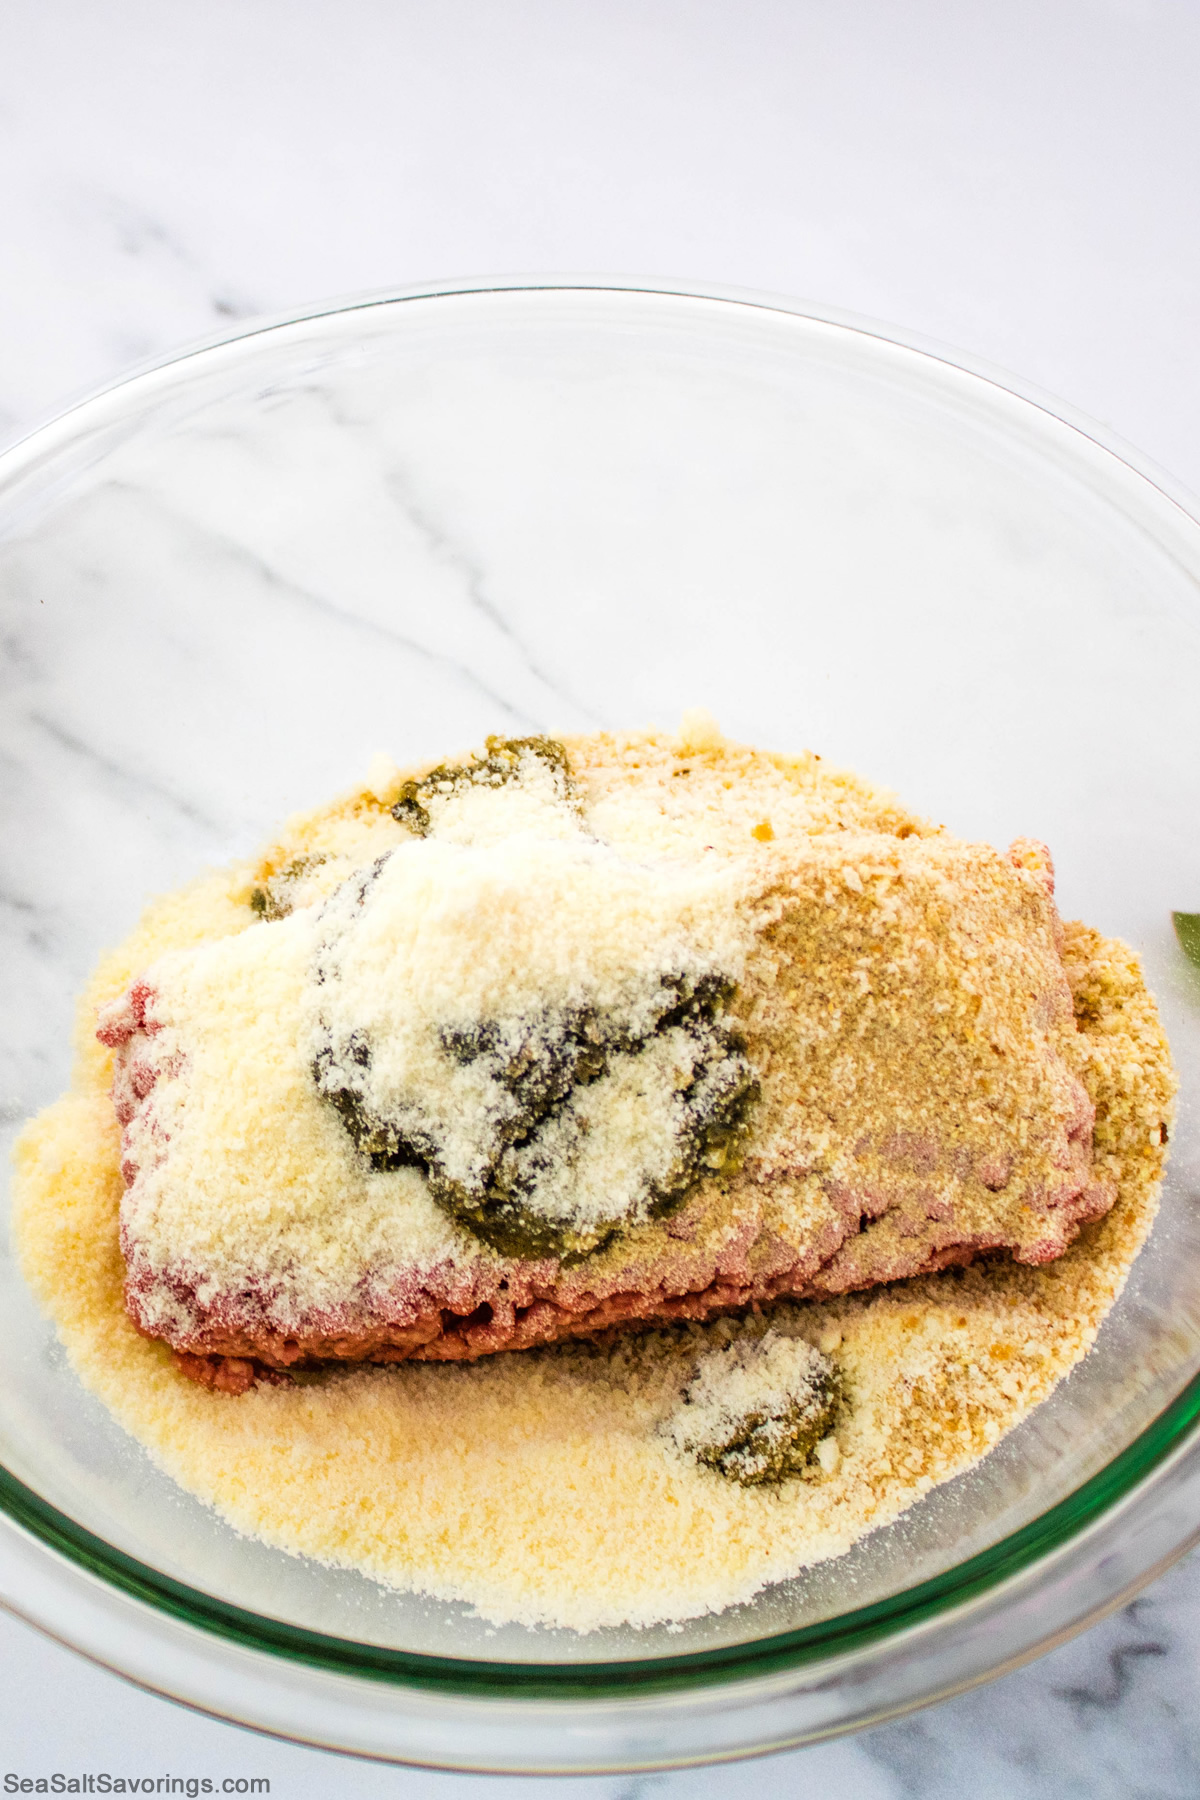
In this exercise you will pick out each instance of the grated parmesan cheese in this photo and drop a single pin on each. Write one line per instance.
(464, 983)
(556, 1485)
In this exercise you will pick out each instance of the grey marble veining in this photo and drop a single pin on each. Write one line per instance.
(1110, 1716)
(401, 538)
(1006, 179)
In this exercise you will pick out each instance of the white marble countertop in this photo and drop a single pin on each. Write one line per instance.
(1017, 180)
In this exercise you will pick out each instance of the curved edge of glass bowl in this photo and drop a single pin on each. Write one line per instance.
(841, 1635)
(919, 343)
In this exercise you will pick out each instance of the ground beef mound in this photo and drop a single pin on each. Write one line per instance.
(900, 1093)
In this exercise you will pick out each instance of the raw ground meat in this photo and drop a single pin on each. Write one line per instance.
(905, 1010)
(882, 1232)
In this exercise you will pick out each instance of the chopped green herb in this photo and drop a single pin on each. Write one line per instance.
(1187, 930)
(276, 897)
(542, 1064)
(756, 1410)
(503, 762)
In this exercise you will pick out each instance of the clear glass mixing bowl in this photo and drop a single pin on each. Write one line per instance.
(404, 522)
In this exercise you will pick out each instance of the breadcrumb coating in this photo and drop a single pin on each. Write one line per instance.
(545, 1487)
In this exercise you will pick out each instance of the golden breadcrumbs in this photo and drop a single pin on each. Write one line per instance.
(545, 1486)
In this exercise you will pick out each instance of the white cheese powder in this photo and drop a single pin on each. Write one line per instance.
(469, 966)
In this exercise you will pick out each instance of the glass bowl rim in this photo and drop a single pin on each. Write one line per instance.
(843, 1633)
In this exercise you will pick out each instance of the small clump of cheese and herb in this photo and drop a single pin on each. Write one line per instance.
(759, 1409)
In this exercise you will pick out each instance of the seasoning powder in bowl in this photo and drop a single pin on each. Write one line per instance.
(595, 1179)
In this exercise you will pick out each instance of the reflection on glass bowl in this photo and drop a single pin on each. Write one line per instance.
(408, 522)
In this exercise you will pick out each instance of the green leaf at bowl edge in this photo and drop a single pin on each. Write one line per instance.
(1187, 930)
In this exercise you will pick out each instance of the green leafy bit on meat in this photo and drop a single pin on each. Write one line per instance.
(275, 897)
(552, 1074)
(505, 760)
